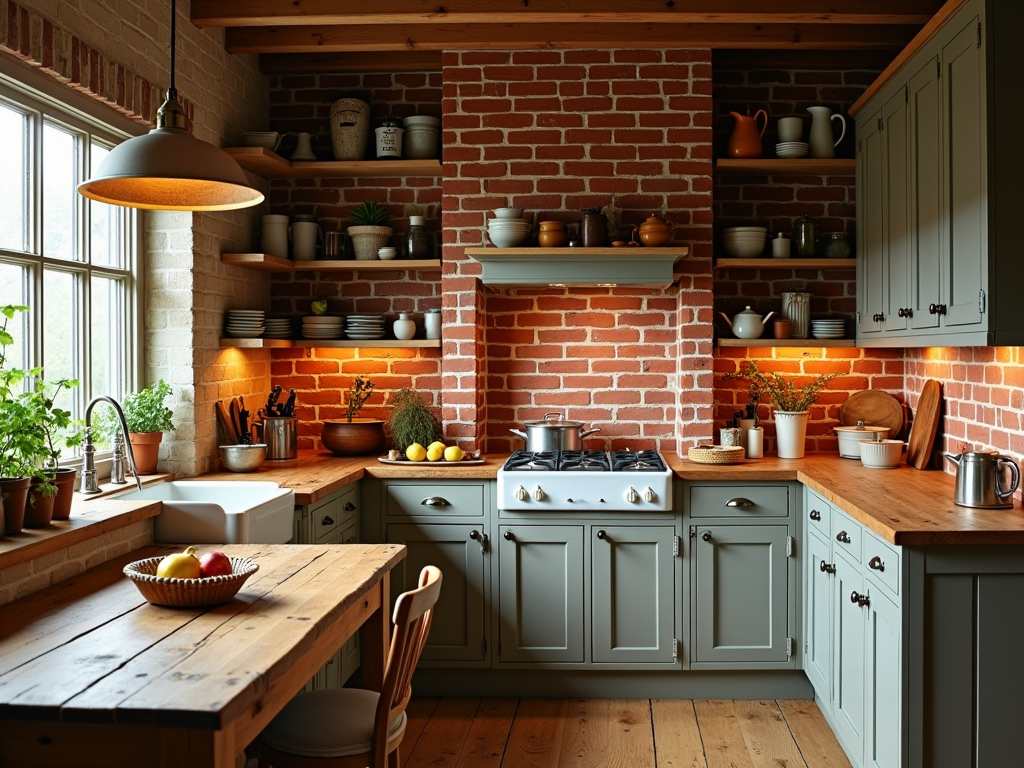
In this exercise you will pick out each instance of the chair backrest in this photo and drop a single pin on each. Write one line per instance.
(414, 611)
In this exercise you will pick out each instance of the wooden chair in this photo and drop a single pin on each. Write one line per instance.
(349, 727)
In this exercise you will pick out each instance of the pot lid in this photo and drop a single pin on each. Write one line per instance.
(556, 421)
(861, 428)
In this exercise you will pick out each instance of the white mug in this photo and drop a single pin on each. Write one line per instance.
(274, 235)
(791, 129)
(305, 235)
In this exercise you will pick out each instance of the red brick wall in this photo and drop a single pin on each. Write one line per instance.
(563, 130)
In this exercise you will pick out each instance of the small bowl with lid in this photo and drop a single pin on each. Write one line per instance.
(850, 438)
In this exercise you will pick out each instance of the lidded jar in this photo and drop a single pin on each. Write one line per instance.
(654, 232)
(389, 139)
(805, 237)
(593, 228)
(838, 246)
(417, 239)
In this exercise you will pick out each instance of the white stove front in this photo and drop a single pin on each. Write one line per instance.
(528, 491)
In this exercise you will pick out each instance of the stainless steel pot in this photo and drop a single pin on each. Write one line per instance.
(978, 480)
(554, 433)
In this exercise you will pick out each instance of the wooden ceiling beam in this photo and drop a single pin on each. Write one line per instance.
(276, 13)
(361, 61)
(491, 37)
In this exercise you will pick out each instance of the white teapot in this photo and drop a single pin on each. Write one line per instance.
(747, 324)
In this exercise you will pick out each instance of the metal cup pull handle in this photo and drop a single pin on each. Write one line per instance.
(435, 501)
(739, 503)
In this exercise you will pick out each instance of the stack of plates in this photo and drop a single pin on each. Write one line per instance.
(828, 329)
(360, 327)
(245, 323)
(792, 148)
(322, 327)
(277, 328)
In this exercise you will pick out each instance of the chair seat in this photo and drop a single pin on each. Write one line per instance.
(334, 722)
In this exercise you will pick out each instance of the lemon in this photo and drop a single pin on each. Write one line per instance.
(183, 565)
(453, 453)
(415, 452)
(435, 450)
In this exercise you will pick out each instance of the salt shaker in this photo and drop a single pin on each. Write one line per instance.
(755, 442)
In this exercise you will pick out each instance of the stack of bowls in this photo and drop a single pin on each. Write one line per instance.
(322, 327)
(508, 228)
(364, 327)
(552, 234)
(744, 242)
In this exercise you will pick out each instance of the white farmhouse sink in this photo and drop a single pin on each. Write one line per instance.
(225, 512)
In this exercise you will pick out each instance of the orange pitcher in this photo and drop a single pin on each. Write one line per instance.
(746, 139)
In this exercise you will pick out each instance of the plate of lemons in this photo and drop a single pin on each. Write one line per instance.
(436, 454)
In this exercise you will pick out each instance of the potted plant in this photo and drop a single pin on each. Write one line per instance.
(21, 438)
(51, 488)
(791, 404)
(148, 418)
(368, 229)
(355, 436)
(412, 421)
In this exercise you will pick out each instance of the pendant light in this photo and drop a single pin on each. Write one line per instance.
(169, 169)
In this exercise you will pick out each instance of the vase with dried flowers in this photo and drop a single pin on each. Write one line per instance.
(354, 436)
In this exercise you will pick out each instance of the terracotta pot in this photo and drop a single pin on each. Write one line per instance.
(65, 481)
(14, 492)
(39, 509)
(552, 238)
(654, 232)
(146, 449)
(360, 437)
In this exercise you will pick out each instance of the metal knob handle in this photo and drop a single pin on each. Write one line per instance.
(815, 514)
(843, 537)
(327, 520)
(827, 567)
(878, 317)
(859, 599)
(601, 534)
(481, 537)
(876, 564)
(435, 501)
(508, 536)
(706, 536)
(936, 309)
(739, 502)
(349, 506)
(905, 312)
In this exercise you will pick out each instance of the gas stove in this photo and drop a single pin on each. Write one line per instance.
(620, 481)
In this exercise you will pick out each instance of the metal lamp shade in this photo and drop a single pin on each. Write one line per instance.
(169, 169)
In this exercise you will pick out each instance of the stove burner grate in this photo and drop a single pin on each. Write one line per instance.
(584, 461)
(532, 461)
(637, 461)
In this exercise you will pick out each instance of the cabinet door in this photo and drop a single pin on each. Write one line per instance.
(895, 226)
(929, 250)
(350, 650)
(883, 694)
(741, 593)
(540, 593)
(870, 224)
(848, 653)
(818, 600)
(457, 633)
(633, 600)
(964, 183)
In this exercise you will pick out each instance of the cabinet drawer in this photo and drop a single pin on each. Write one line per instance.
(818, 515)
(846, 535)
(325, 519)
(436, 500)
(882, 562)
(739, 501)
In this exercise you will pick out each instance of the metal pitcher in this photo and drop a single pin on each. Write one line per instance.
(979, 480)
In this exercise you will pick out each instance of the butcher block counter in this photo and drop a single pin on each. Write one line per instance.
(93, 675)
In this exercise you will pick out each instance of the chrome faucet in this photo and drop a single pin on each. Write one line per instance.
(89, 483)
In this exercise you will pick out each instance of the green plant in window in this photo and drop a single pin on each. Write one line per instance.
(144, 411)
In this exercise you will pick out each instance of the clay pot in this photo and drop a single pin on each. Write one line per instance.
(654, 232)
(146, 449)
(39, 508)
(359, 437)
(552, 238)
(14, 492)
(65, 482)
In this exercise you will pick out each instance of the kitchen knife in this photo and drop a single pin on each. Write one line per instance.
(289, 407)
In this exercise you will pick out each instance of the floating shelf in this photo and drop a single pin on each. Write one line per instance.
(802, 166)
(267, 263)
(726, 262)
(786, 342)
(586, 267)
(339, 343)
(272, 166)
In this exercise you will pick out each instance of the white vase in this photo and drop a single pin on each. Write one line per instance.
(791, 433)
(405, 329)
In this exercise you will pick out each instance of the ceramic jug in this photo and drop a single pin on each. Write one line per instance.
(821, 132)
(593, 228)
(746, 139)
(653, 232)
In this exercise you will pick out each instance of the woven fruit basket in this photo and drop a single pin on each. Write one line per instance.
(717, 454)
(189, 593)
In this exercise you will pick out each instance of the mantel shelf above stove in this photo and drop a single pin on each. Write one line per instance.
(590, 267)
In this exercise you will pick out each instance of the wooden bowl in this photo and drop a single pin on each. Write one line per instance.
(188, 593)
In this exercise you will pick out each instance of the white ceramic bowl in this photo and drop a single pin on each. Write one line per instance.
(744, 248)
(507, 239)
(387, 253)
(883, 454)
(850, 439)
(508, 213)
(265, 139)
(738, 230)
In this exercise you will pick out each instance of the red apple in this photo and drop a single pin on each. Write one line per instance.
(214, 564)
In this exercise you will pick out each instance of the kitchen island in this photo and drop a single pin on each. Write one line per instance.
(93, 675)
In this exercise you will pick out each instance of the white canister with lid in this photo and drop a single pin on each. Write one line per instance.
(421, 137)
(432, 323)
(405, 329)
(851, 437)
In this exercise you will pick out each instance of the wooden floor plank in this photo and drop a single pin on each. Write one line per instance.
(537, 733)
(677, 738)
(632, 734)
(444, 737)
(417, 715)
(813, 736)
(769, 741)
(724, 746)
(485, 747)
(586, 737)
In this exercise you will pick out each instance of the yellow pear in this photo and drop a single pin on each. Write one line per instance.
(454, 453)
(435, 451)
(415, 452)
(183, 565)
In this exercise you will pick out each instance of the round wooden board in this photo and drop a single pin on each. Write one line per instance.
(875, 408)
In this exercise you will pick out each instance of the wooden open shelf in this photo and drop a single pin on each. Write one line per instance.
(226, 343)
(727, 262)
(267, 263)
(770, 342)
(272, 166)
(801, 166)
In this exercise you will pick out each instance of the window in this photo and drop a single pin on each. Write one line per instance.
(70, 260)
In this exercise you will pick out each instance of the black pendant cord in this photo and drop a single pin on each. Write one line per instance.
(172, 92)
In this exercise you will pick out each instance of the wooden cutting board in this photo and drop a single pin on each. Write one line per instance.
(224, 418)
(925, 426)
(875, 408)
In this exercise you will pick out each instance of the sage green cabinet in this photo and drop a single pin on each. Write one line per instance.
(849, 636)
(633, 593)
(819, 598)
(883, 719)
(540, 593)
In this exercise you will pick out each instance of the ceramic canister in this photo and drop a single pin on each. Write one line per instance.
(350, 127)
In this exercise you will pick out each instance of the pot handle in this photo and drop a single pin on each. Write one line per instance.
(518, 433)
(587, 432)
(1015, 481)
(557, 416)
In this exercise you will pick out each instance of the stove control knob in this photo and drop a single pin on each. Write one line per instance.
(650, 495)
(538, 494)
(521, 494)
(632, 496)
